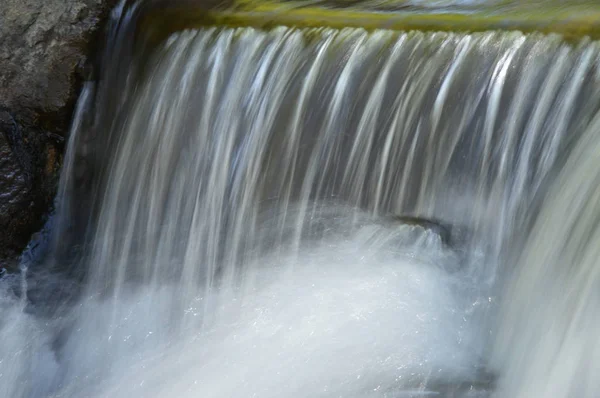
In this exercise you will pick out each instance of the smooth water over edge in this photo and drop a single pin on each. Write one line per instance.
(243, 241)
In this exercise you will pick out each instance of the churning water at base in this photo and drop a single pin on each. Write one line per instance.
(242, 236)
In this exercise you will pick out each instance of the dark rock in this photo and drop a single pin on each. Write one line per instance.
(43, 44)
(44, 50)
(14, 198)
(452, 235)
(444, 231)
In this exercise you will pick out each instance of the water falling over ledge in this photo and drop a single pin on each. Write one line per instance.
(239, 239)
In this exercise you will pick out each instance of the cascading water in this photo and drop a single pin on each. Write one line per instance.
(242, 240)
(547, 340)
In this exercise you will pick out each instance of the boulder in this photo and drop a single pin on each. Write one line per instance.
(44, 49)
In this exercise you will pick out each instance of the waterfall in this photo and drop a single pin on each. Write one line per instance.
(246, 234)
(392, 123)
(547, 340)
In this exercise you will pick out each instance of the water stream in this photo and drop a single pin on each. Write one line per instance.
(241, 236)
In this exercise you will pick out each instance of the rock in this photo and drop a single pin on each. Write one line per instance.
(14, 197)
(44, 46)
(443, 230)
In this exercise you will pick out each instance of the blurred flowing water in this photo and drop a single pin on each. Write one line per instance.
(228, 226)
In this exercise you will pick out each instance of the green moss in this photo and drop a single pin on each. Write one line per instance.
(572, 22)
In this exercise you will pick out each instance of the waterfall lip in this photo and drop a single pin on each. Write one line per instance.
(164, 18)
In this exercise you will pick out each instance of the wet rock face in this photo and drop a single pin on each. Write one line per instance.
(14, 194)
(44, 47)
(28, 177)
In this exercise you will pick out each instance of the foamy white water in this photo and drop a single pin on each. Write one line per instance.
(332, 326)
(239, 236)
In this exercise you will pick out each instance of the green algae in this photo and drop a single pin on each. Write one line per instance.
(573, 22)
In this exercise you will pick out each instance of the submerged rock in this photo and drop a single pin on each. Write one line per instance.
(439, 228)
(44, 46)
